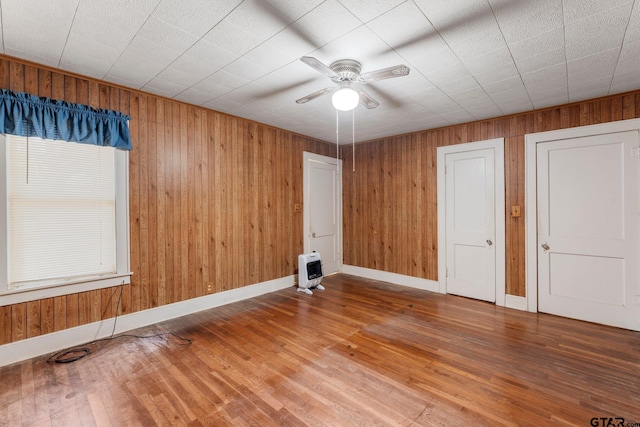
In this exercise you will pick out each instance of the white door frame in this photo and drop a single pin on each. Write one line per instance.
(531, 199)
(306, 157)
(497, 145)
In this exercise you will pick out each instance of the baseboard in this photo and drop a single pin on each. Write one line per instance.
(518, 303)
(49, 343)
(395, 278)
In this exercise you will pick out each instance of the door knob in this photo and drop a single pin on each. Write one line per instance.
(545, 246)
(489, 242)
(313, 234)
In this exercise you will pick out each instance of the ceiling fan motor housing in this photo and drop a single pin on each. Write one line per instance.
(347, 70)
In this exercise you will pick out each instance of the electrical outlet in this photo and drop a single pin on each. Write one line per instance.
(209, 288)
(296, 207)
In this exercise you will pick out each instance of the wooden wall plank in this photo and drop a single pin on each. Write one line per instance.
(34, 322)
(18, 322)
(161, 202)
(134, 204)
(152, 203)
(143, 151)
(5, 325)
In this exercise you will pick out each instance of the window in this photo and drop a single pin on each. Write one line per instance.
(64, 218)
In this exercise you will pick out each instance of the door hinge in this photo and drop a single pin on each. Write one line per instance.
(446, 272)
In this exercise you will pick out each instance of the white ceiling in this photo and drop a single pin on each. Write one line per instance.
(469, 59)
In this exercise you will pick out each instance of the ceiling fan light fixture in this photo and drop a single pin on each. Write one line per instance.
(345, 99)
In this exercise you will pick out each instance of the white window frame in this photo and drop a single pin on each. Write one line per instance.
(123, 273)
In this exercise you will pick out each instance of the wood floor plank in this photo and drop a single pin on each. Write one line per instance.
(362, 352)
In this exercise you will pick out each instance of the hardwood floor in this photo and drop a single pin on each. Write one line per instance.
(360, 353)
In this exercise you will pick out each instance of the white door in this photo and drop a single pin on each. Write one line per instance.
(323, 210)
(588, 259)
(471, 227)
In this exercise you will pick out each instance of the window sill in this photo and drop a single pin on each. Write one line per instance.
(20, 295)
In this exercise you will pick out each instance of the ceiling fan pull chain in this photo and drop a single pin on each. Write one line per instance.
(337, 138)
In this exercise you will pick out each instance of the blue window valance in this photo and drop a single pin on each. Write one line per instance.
(29, 115)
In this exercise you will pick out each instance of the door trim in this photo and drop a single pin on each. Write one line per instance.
(306, 157)
(497, 145)
(530, 190)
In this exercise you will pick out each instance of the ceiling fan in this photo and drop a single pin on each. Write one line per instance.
(346, 73)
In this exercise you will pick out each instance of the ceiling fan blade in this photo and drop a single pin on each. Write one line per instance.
(385, 73)
(318, 66)
(367, 100)
(315, 95)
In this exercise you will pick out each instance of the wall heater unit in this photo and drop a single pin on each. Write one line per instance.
(309, 273)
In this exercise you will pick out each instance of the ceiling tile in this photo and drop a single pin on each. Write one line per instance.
(539, 44)
(546, 80)
(280, 50)
(164, 87)
(417, 39)
(539, 62)
(629, 60)
(294, 9)
(37, 30)
(129, 66)
(328, 21)
(258, 19)
(459, 116)
(194, 96)
(625, 82)
(575, 10)
(549, 98)
(195, 17)
(220, 83)
(187, 71)
(596, 33)
(448, 75)
(166, 35)
(435, 60)
(523, 19)
(85, 61)
(497, 74)
(601, 64)
(366, 10)
(228, 36)
(458, 20)
(633, 29)
(498, 61)
(213, 56)
(246, 70)
(480, 44)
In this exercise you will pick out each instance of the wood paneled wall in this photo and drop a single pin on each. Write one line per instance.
(212, 196)
(390, 209)
(211, 202)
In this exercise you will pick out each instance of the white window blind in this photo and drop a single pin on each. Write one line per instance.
(62, 211)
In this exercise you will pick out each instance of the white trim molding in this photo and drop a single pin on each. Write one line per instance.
(56, 341)
(497, 145)
(395, 278)
(531, 201)
(515, 302)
